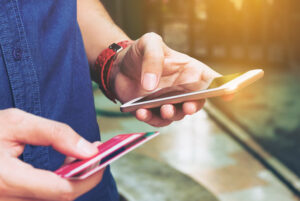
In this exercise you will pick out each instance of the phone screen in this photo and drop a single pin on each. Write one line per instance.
(189, 87)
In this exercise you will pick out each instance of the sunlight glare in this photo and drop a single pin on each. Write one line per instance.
(238, 3)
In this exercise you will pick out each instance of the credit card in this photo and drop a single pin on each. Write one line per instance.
(109, 151)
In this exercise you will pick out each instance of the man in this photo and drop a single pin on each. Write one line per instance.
(44, 72)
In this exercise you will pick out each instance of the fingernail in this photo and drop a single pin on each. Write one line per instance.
(97, 143)
(149, 81)
(86, 148)
(143, 115)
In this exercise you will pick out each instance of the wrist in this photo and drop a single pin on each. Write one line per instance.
(116, 71)
(107, 67)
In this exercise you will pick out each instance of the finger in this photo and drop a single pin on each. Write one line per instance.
(97, 143)
(69, 160)
(143, 115)
(172, 112)
(11, 198)
(173, 65)
(34, 130)
(229, 97)
(152, 117)
(175, 61)
(192, 107)
(167, 111)
(152, 47)
(82, 186)
(28, 182)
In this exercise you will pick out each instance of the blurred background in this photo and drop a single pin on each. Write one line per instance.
(260, 128)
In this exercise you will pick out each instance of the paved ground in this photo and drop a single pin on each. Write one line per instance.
(197, 147)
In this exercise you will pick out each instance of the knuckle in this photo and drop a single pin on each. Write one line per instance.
(65, 191)
(67, 195)
(59, 129)
(151, 36)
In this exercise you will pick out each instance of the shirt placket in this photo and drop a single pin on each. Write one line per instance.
(21, 72)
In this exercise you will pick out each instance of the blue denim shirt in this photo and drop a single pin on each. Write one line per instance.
(44, 71)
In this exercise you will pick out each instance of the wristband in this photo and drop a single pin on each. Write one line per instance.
(103, 66)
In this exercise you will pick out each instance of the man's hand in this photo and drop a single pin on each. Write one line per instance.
(20, 181)
(141, 68)
(149, 64)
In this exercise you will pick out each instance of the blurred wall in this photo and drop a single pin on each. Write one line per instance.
(255, 31)
(128, 14)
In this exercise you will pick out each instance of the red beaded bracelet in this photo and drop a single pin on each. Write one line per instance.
(102, 68)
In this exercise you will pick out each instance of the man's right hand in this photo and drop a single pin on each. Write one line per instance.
(21, 181)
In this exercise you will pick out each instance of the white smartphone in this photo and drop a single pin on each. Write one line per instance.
(219, 86)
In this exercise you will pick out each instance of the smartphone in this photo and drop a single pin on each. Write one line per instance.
(219, 86)
(108, 152)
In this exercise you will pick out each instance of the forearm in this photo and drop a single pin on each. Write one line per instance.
(97, 27)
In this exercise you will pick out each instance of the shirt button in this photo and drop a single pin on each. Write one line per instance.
(17, 54)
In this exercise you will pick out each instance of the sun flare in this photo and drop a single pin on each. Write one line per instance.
(238, 3)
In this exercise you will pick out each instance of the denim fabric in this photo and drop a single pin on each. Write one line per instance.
(44, 71)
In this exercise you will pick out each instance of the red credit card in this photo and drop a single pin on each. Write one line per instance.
(109, 151)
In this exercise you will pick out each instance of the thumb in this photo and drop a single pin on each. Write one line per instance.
(35, 130)
(152, 47)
